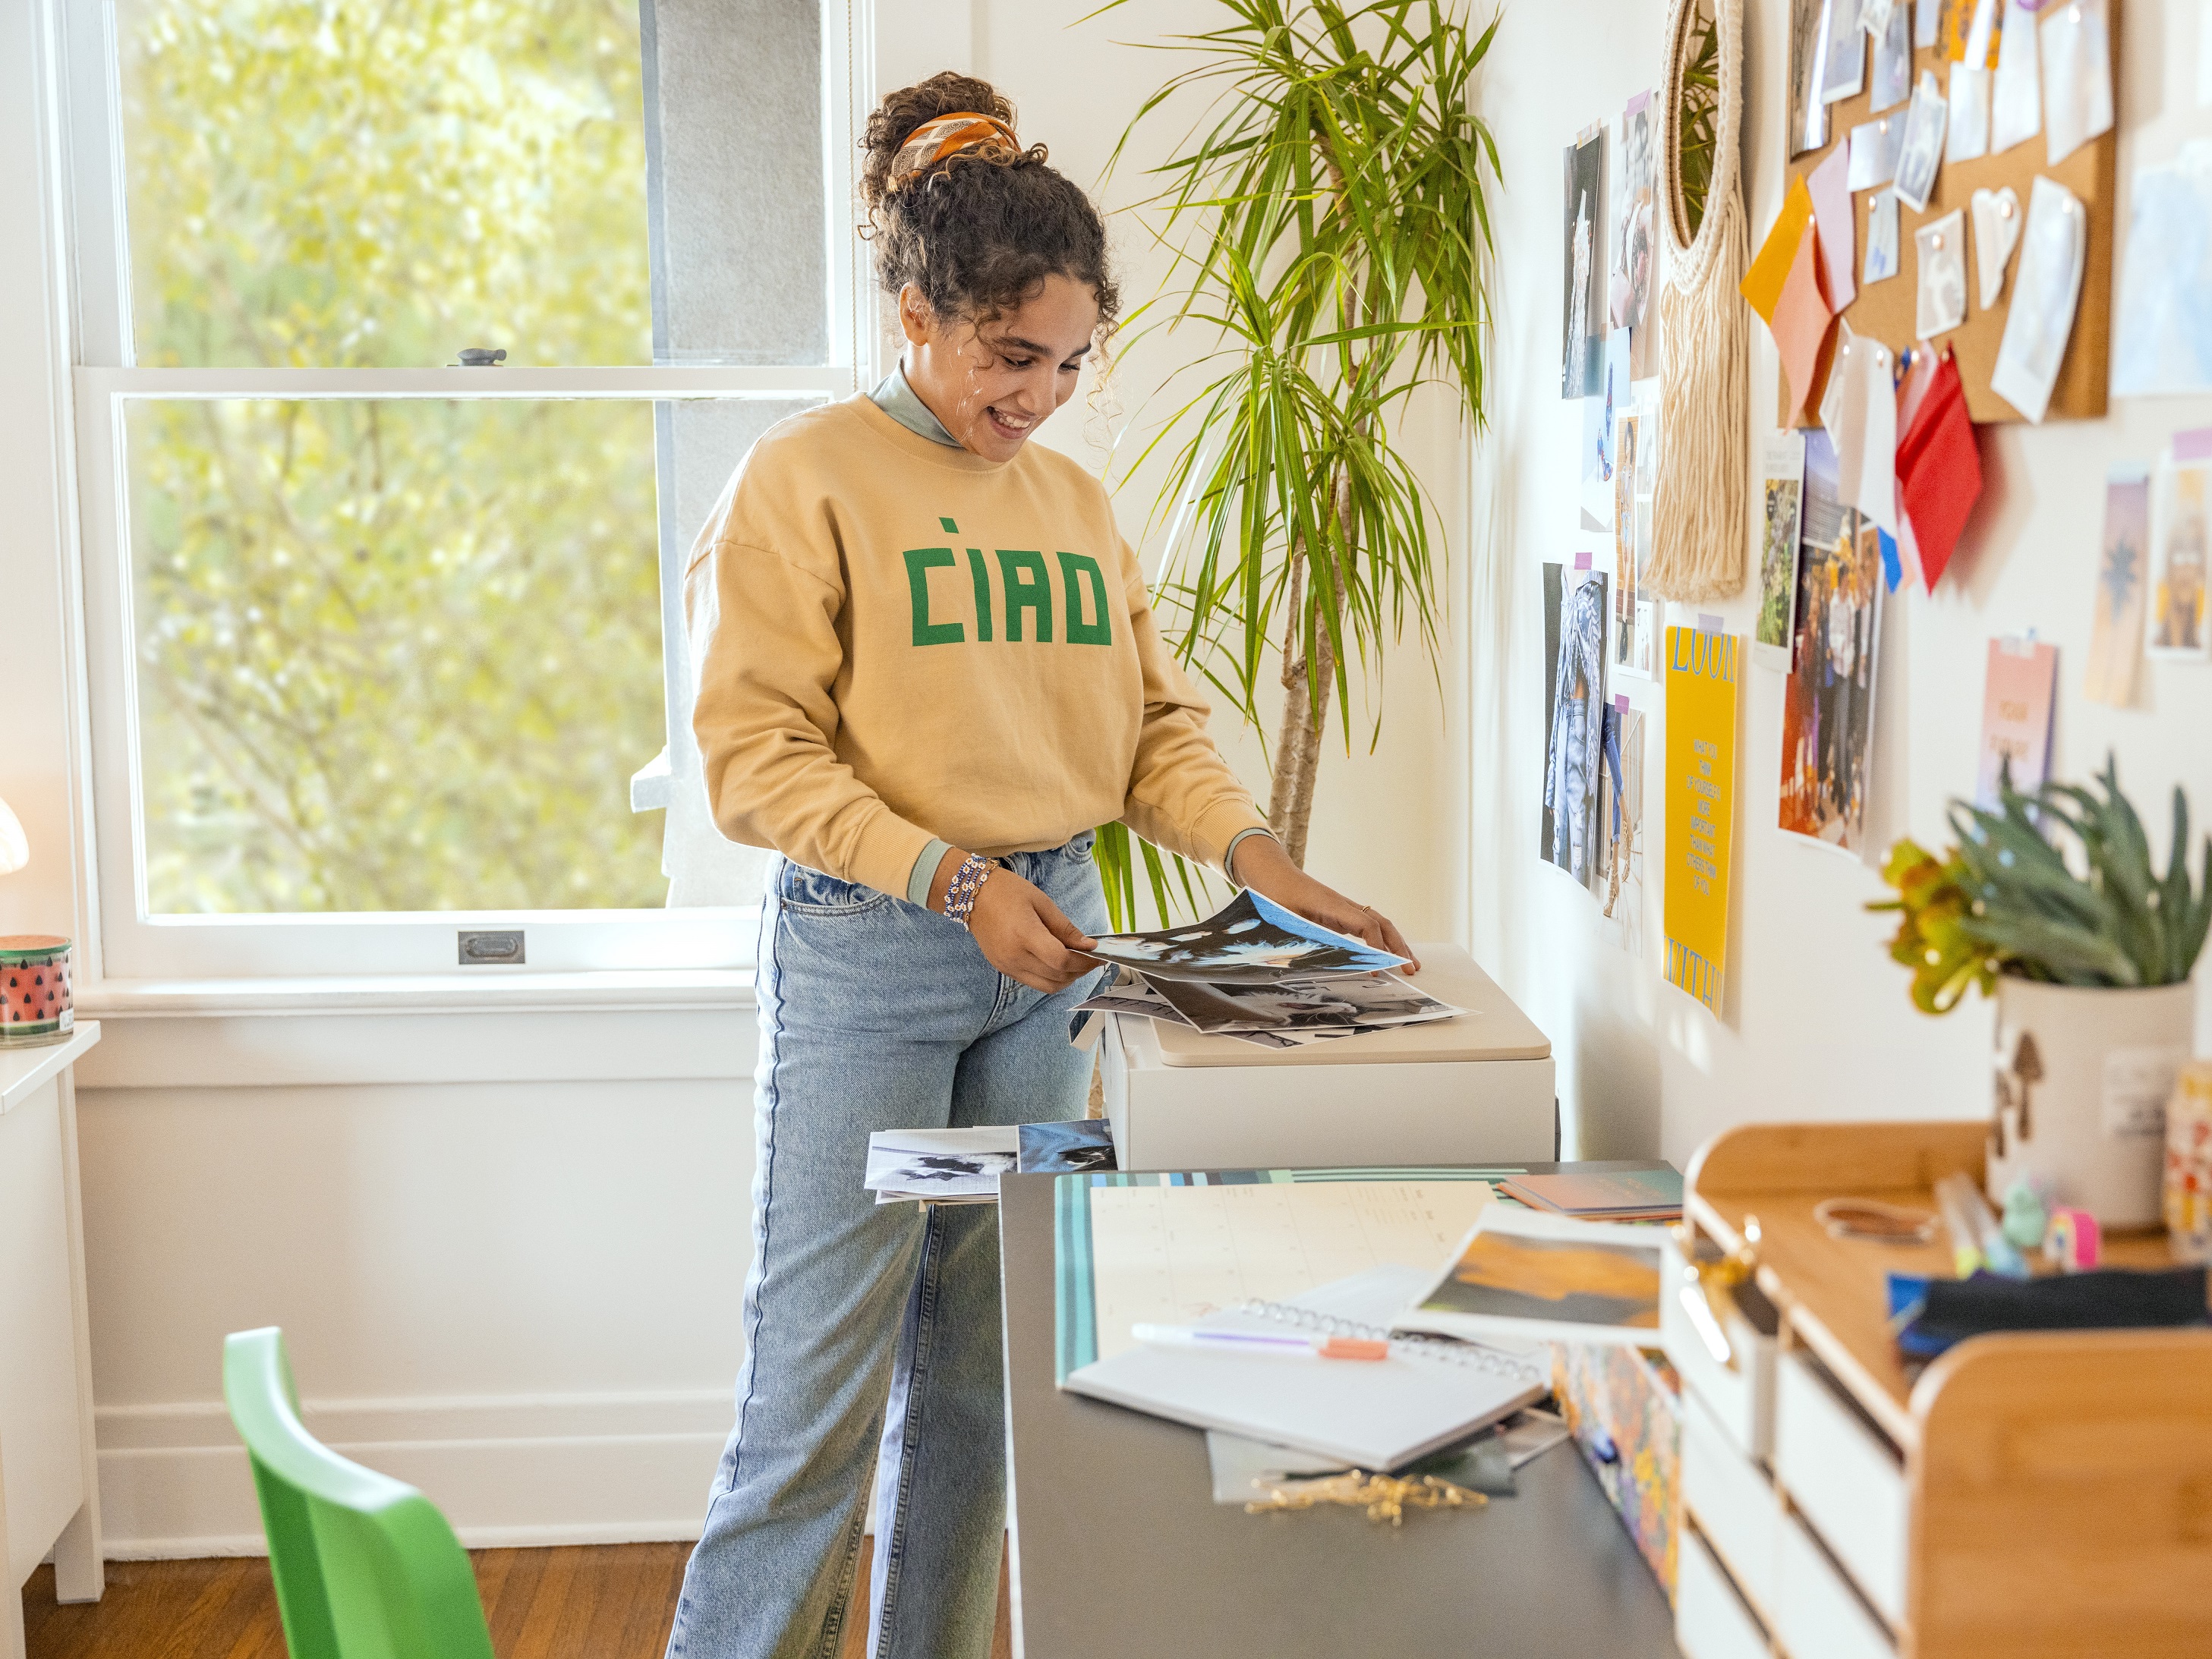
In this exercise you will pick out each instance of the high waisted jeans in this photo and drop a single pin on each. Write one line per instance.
(871, 1333)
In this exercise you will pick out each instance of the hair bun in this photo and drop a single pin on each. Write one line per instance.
(903, 113)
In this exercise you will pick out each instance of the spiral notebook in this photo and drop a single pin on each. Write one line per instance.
(1378, 1414)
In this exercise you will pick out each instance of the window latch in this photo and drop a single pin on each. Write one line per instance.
(482, 950)
(480, 357)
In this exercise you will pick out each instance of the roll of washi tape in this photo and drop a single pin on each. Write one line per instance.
(35, 989)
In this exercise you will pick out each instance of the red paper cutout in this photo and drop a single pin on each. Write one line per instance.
(1939, 467)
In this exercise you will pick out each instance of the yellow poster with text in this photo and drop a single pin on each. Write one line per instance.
(1701, 679)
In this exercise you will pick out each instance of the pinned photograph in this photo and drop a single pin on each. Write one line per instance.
(1827, 709)
(1809, 116)
(1634, 254)
(2077, 76)
(2020, 688)
(1940, 304)
(1555, 591)
(1923, 145)
(2016, 92)
(2162, 319)
(1599, 413)
(1881, 237)
(1968, 135)
(2181, 541)
(2041, 319)
(1842, 52)
(1996, 217)
(1631, 608)
(1875, 146)
(1782, 472)
(1892, 63)
(1582, 346)
(1577, 736)
(2116, 640)
(1620, 897)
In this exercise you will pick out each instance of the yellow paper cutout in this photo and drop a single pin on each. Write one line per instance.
(1701, 682)
(1762, 283)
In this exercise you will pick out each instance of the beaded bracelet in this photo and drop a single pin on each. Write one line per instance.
(960, 894)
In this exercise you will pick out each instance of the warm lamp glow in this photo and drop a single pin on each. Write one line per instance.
(14, 851)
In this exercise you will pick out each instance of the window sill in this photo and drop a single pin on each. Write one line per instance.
(469, 991)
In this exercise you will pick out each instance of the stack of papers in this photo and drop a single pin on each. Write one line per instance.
(1602, 1195)
(963, 1166)
(1262, 974)
(944, 1166)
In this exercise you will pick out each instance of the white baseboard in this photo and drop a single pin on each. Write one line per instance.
(507, 1472)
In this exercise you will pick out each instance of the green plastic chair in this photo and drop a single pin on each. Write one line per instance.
(366, 1568)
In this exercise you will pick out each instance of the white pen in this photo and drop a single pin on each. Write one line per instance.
(1195, 1336)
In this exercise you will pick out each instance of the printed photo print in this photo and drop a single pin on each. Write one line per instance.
(1782, 485)
(1556, 1281)
(1577, 737)
(2179, 545)
(1827, 708)
(1582, 334)
(1252, 941)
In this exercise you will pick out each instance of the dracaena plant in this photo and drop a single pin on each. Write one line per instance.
(2007, 899)
(1328, 234)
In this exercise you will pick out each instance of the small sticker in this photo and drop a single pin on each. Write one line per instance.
(2137, 1084)
(1582, 560)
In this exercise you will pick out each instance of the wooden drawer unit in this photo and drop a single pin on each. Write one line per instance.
(1734, 1505)
(1739, 1393)
(1845, 1479)
(2030, 1494)
(1819, 1616)
(1710, 1619)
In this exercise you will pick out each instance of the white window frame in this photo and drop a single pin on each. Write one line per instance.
(126, 942)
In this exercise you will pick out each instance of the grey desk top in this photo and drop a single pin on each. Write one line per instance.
(1121, 1553)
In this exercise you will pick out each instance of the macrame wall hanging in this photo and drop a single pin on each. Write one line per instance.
(1698, 542)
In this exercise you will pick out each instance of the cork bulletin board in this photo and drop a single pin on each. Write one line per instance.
(1884, 309)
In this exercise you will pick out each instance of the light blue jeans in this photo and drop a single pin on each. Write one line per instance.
(871, 1333)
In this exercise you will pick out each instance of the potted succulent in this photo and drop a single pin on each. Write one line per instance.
(2053, 903)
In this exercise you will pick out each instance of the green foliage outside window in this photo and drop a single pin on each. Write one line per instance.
(396, 654)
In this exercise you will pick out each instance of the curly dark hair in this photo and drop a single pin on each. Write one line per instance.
(976, 236)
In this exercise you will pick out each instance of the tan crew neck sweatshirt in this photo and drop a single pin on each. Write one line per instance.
(898, 642)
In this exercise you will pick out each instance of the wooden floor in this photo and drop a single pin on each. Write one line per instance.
(606, 1601)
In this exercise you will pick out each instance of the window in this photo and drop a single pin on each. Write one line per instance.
(385, 641)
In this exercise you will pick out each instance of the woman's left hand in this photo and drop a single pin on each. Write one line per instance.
(1264, 867)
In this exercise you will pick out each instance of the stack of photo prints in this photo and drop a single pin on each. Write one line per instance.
(1259, 973)
(963, 1166)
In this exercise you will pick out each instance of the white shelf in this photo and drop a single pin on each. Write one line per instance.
(24, 1071)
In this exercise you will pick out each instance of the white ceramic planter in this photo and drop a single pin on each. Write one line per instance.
(2081, 1078)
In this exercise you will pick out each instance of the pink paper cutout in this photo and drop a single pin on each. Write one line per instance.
(1801, 321)
(1838, 222)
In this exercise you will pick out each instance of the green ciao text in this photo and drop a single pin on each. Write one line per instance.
(1025, 590)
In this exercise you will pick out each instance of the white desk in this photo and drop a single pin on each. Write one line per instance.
(1476, 1090)
(49, 1480)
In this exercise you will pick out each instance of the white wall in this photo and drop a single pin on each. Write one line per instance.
(1816, 1023)
(507, 1248)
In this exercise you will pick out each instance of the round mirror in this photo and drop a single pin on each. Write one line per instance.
(1693, 115)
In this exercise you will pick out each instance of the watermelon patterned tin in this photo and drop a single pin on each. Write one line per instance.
(35, 989)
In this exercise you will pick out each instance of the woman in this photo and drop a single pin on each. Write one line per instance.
(928, 668)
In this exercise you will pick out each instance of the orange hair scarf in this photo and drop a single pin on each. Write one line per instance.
(948, 136)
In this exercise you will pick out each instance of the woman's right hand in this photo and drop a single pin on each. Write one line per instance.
(1020, 932)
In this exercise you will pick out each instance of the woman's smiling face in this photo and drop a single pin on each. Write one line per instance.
(992, 384)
